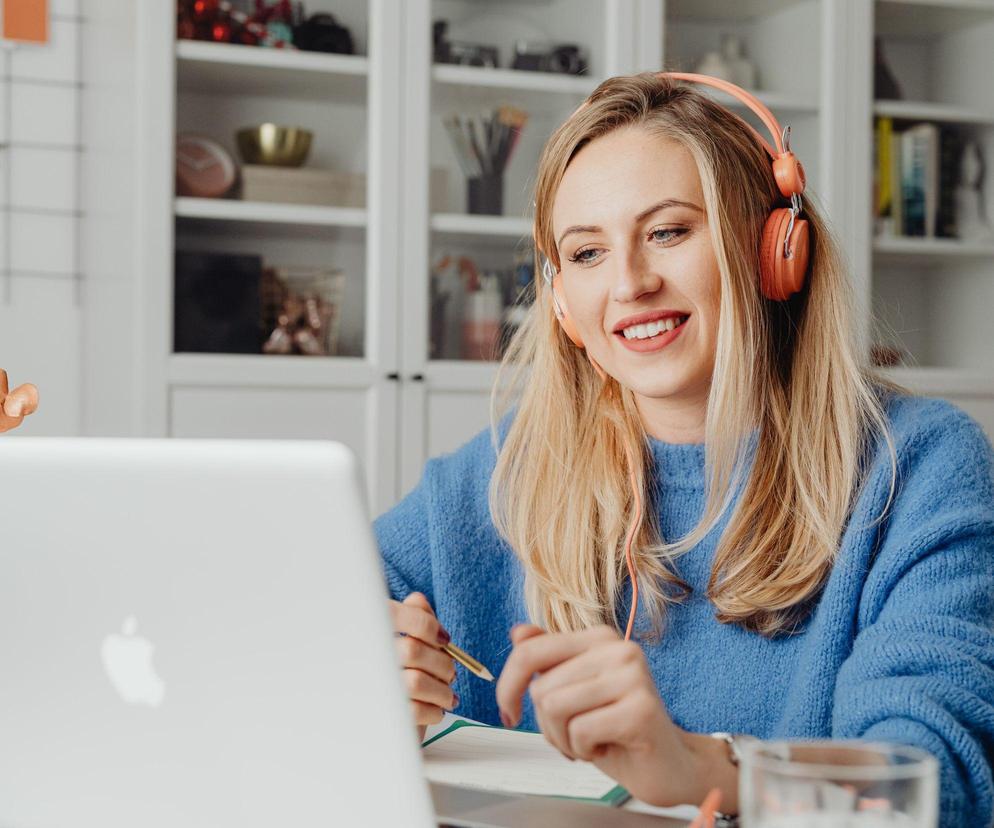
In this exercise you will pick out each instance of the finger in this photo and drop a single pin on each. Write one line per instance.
(3, 384)
(417, 599)
(612, 657)
(420, 623)
(536, 655)
(414, 654)
(522, 632)
(7, 423)
(426, 714)
(589, 734)
(554, 710)
(22, 401)
(424, 688)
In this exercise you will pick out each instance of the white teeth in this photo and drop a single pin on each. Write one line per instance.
(653, 328)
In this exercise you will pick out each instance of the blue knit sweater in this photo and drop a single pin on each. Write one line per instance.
(900, 646)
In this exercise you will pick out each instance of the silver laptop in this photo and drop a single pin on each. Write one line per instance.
(195, 633)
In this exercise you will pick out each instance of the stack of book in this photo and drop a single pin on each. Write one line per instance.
(916, 170)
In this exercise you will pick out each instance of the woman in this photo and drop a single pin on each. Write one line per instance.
(17, 404)
(816, 555)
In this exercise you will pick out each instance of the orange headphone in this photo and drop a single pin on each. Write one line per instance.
(783, 258)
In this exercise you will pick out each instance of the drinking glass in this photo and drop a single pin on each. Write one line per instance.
(837, 784)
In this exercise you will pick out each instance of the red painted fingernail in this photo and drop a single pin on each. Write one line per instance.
(443, 636)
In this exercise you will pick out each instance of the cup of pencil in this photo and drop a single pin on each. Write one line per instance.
(484, 144)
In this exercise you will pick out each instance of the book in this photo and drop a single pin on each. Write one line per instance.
(474, 755)
(920, 179)
(897, 201)
(950, 152)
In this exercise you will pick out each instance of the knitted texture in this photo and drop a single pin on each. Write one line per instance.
(899, 646)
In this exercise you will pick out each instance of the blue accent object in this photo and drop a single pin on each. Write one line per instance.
(899, 647)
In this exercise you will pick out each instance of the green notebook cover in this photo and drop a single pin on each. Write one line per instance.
(616, 796)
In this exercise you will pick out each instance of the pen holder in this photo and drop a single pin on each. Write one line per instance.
(485, 195)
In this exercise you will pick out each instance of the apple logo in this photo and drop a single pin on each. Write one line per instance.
(127, 659)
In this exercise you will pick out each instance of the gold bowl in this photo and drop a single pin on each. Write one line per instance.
(278, 146)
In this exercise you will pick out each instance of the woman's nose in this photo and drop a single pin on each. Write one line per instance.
(634, 278)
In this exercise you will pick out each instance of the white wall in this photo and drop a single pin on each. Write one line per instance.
(39, 219)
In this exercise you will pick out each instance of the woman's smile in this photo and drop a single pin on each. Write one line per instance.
(652, 336)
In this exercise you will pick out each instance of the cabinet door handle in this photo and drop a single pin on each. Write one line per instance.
(417, 377)
(393, 376)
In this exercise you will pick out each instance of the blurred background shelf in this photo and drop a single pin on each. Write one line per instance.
(936, 248)
(474, 226)
(228, 68)
(924, 111)
(227, 209)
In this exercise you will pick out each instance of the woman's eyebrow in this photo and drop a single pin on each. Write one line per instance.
(593, 228)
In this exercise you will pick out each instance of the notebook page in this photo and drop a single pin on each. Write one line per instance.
(510, 761)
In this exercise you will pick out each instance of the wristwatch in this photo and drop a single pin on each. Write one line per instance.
(734, 743)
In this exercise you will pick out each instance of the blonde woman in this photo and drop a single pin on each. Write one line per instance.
(815, 555)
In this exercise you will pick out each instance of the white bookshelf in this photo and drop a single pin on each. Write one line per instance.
(929, 295)
(380, 113)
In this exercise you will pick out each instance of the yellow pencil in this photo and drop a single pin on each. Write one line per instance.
(467, 661)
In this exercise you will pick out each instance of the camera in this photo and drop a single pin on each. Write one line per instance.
(564, 58)
(466, 54)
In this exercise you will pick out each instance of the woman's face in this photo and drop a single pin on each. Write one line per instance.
(639, 274)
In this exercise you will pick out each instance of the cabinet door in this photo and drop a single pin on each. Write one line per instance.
(362, 419)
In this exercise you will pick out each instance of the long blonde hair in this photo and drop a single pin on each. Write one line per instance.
(787, 373)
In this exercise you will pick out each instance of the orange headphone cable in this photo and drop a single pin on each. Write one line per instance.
(636, 520)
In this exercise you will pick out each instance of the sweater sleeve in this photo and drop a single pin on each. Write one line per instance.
(403, 535)
(921, 671)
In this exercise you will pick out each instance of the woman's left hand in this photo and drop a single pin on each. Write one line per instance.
(595, 699)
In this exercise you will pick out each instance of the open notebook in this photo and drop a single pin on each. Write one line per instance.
(474, 755)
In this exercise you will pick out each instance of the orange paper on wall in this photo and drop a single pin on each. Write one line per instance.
(25, 20)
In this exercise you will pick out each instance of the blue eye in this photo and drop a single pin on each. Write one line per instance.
(578, 257)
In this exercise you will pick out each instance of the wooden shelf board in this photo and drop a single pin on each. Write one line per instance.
(513, 227)
(722, 11)
(226, 68)
(925, 111)
(483, 76)
(226, 209)
(938, 247)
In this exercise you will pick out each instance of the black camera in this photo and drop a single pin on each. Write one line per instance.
(467, 54)
(565, 58)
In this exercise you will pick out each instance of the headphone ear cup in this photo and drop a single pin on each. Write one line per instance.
(780, 277)
(562, 314)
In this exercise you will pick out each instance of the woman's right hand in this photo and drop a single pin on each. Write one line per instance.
(428, 670)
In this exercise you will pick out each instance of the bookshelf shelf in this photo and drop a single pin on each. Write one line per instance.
(227, 68)
(220, 209)
(902, 247)
(457, 224)
(923, 111)
(488, 78)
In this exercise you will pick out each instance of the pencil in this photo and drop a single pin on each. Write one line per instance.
(468, 662)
